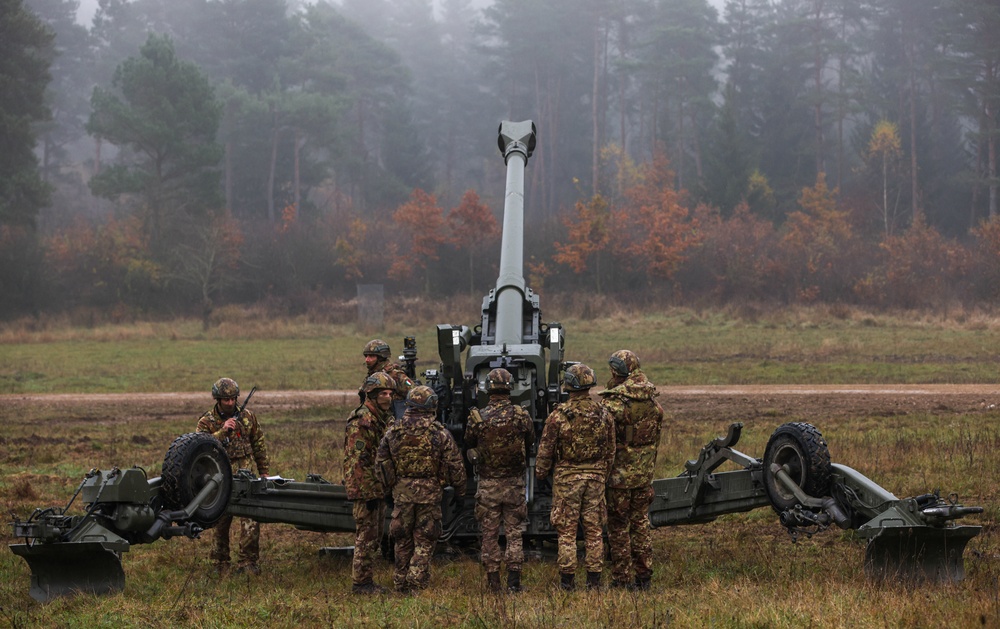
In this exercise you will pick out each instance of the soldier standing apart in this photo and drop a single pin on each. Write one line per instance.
(243, 440)
(578, 441)
(630, 399)
(365, 428)
(417, 458)
(499, 438)
(377, 353)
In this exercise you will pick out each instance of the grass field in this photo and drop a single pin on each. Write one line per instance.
(679, 346)
(740, 571)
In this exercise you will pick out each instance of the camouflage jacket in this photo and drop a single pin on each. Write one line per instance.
(244, 443)
(396, 372)
(638, 420)
(578, 441)
(502, 433)
(418, 457)
(365, 428)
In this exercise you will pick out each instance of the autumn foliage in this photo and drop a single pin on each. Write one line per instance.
(644, 238)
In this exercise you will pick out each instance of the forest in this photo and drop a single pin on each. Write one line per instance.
(174, 156)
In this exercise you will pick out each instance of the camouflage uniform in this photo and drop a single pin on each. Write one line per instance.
(395, 371)
(245, 447)
(501, 434)
(638, 419)
(365, 428)
(417, 458)
(579, 442)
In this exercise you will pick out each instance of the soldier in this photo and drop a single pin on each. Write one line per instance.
(578, 441)
(377, 353)
(365, 428)
(243, 439)
(417, 458)
(630, 399)
(499, 438)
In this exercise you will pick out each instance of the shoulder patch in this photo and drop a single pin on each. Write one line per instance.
(359, 445)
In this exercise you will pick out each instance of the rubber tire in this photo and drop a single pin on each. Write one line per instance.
(191, 461)
(802, 448)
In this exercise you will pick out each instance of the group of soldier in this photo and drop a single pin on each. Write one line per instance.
(600, 455)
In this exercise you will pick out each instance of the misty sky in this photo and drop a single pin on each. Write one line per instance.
(88, 7)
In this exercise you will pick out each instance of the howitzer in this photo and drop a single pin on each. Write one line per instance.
(913, 538)
(510, 334)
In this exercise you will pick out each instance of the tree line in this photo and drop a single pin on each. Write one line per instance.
(177, 154)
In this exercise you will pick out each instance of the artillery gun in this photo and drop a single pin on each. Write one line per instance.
(912, 538)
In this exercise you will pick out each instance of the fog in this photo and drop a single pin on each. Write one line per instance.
(89, 7)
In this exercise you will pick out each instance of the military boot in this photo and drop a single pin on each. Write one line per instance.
(593, 580)
(643, 583)
(566, 582)
(493, 582)
(513, 580)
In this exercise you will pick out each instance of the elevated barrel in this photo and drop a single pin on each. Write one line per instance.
(516, 141)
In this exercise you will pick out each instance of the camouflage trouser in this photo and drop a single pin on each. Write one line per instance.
(249, 551)
(501, 500)
(370, 525)
(577, 501)
(629, 533)
(415, 529)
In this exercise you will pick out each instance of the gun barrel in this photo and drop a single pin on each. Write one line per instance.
(516, 142)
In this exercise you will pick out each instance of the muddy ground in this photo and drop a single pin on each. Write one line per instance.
(720, 403)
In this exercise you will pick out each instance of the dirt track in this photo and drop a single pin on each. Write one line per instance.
(718, 402)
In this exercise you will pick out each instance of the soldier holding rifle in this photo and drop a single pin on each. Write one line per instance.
(241, 435)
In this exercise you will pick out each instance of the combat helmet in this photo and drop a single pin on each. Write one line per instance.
(376, 347)
(225, 388)
(423, 397)
(499, 380)
(579, 377)
(623, 362)
(378, 381)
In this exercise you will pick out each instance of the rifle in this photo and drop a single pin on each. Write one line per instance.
(239, 412)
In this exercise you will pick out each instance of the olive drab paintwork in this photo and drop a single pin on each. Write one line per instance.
(638, 420)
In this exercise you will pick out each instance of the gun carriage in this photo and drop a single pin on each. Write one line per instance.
(913, 538)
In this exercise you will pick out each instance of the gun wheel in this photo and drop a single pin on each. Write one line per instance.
(191, 462)
(802, 451)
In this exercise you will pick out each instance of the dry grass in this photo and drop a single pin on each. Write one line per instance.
(740, 571)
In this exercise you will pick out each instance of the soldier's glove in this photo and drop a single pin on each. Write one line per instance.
(458, 503)
(372, 504)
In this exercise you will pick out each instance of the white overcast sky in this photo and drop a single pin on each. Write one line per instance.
(88, 7)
